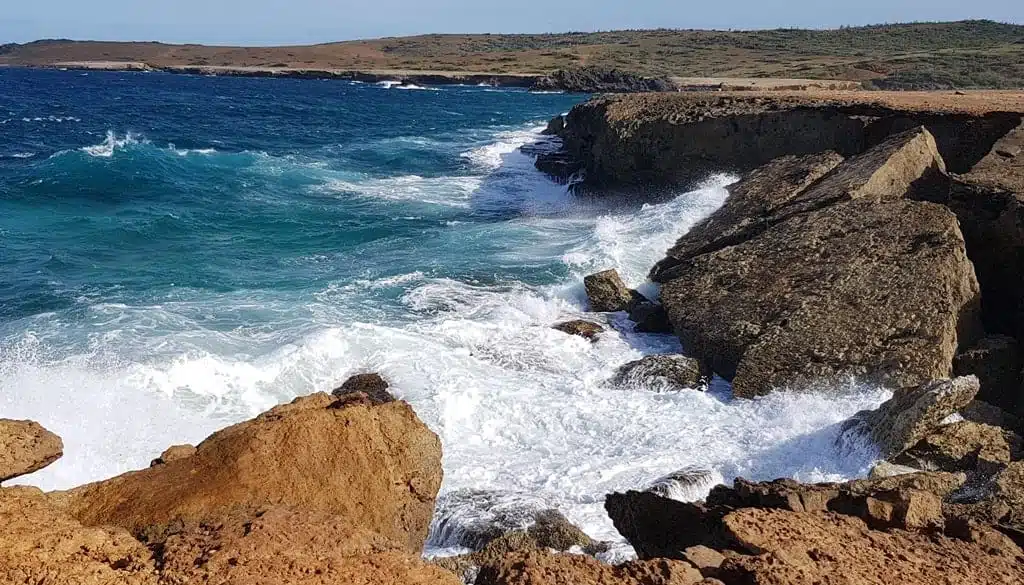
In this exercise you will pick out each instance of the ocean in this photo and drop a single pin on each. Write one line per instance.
(179, 253)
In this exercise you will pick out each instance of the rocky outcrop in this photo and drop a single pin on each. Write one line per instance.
(912, 414)
(964, 446)
(26, 447)
(670, 372)
(543, 568)
(800, 548)
(173, 454)
(372, 385)
(650, 318)
(849, 279)
(592, 79)
(608, 294)
(579, 327)
(39, 543)
(996, 361)
(376, 468)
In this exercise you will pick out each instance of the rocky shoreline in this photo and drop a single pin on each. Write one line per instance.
(875, 241)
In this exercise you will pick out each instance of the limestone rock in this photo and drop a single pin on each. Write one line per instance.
(805, 549)
(1009, 489)
(650, 318)
(581, 328)
(886, 469)
(913, 413)
(704, 558)
(672, 372)
(41, 544)
(542, 568)
(377, 468)
(1003, 167)
(963, 446)
(372, 385)
(26, 447)
(173, 454)
(996, 361)
(752, 203)
(608, 294)
(283, 546)
(988, 414)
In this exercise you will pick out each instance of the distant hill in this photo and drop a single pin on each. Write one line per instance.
(965, 54)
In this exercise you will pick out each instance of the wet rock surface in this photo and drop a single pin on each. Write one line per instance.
(373, 386)
(607, 293)
(585, 329)
(670, 372)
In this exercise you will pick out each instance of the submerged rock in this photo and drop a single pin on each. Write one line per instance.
(372, 385)
(850, 279)
(26, 447)
(674, 372)
(585, 329)
(376, 468)
(686, 485)
(912, 414)
(608, 294)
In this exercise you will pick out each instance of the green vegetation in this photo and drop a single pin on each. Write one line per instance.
(976, 53)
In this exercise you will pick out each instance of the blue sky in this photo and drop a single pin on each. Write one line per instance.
(308, 21)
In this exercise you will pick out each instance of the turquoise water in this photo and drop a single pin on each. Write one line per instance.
(180, 253)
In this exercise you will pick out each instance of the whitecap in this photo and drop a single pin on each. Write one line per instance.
(492, 155)
(112, 143)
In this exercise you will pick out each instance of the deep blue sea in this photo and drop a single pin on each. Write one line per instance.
(178, 253)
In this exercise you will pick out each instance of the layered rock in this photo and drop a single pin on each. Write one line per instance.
(801, 548)
(377, 468)
(26, 447)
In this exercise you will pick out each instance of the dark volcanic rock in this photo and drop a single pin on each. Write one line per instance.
(674, 372)
(372, 385)
(852, 279)
(600, 80)
(608, 294)
(26, 447)
(913, 413)
(584, 329)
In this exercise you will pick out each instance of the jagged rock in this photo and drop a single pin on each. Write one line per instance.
(804, 549)
(963, 446)
(1009, 489)
(608, 294)
(542, 568)
(996, 361)
(673, 372)
(658, 527)
(988, 414)
(41, 544)
(26, 447)
(886, 469)
(853, 279)
(377, 468)
(581, 328)
(173, 454)
(372, 385)
(1003, 167)
(751, 204)
(284, 546)
(555, 126)
(912, 414)
(595, 79)
(650, 318)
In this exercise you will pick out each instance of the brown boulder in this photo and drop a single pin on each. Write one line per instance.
(912, 414)
(963, 446)
(26, 447)
(372, 385)
(996, 361)
(376, 467)
(852, 279)
(671, 372)
(580, 328)
(42, 545)
(282, 546)
(173, 454)
(802, 548)
(608, 294)
(542, 568)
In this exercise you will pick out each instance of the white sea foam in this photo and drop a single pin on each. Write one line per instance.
(113, 143)
(520, 408)
(21, 155)
(491, 155)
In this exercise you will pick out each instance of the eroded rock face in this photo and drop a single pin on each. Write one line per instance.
(913, 413)
(672, 372)
(377, 468)
(40, 543)
(282, 546)
(803, 548)
(963, 446)
(851, 280)
(26, 447)
(608, 293)
(542, 568)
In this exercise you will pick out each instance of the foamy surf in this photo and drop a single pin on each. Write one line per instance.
(112, 143)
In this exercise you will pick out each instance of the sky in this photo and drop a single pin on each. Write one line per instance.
(267, 22)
